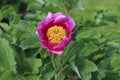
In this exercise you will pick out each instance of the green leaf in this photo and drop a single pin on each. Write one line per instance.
(88, 49)
(111, 17)
(113, 44)
(29, 42)
(35, 5)
(71, 50)
(25, 26)
(113, 75)
(88, 33)
(49, 75)
(80, 5)
(86, 75)
(1, 69)
(44, 53)
(50, 8)
(75, 68)
(109, 36)
(61, 76)
(15, 20)
(104, 65)
(23, 65)
(85, 65)
(8, 75)
(85, 68)
(7, 60)
(5, 26)
(0, 32)
(55, 3)
(32, 77)
(115, 63)
(35, 64)
(5, 10)
(70, 3)
(100, 75)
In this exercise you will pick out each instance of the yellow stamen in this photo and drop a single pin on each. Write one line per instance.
(55, 34)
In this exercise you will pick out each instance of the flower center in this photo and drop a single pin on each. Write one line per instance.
(55, 34)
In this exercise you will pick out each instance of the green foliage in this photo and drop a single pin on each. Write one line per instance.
(8, 75)
(7, 61)
(92, 54)
(6, 10)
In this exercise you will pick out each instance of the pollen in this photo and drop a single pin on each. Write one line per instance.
(55, 34)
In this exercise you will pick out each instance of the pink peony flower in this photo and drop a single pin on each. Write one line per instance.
(55, 32)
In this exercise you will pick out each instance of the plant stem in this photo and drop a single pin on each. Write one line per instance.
(53, 61)
(60, 71)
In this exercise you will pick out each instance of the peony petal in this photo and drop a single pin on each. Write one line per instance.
(65, 21)
(63, 43)
(43, 26)
(50, 15)
(41, 39)
(70, 24)
(57, 51)
(57, 14)
(61, 19)
(46, 22)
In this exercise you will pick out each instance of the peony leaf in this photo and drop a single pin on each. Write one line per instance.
(5, 10)
(74, 68)
(88, 33)
(71, 50)
(25, 26)
(32, 77)
(81, 5)
(29, 42)
(35, 64)
(8, 75)
(5, 26)
(85, 65)
(7, 60)
(0, 32)
(85, 68)
(49, 75)
(88, 49)
(86, 75)
(104, 65)
(115, 63)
